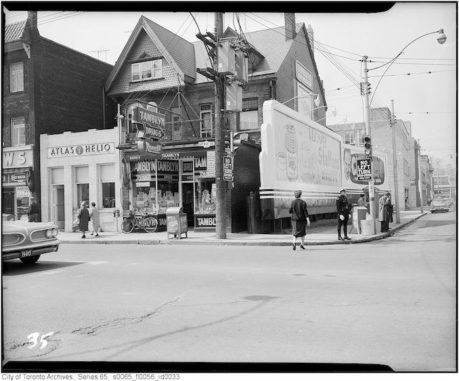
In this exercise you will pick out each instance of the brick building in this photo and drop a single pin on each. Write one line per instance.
(156, 74)
(47, 88)
(426, 179)
(381, 137)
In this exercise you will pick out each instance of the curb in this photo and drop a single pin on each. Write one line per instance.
(224, 242)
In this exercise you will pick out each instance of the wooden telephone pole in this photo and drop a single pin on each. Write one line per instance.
(219, 140)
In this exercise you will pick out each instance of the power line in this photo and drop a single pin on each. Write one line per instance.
(409, 74)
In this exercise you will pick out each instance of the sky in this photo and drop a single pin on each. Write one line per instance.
(422, 81)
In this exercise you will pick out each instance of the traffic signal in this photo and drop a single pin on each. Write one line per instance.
(367, 145)
(368, 87)
(134, 174)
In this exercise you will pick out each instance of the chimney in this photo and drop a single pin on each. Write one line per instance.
(32, 18)
(290, 27)
(311, 37)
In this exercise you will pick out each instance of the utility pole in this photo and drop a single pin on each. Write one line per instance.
(393, 124)
(366, 91)
(219, 141)
(421, 198)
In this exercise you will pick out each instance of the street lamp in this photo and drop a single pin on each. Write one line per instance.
(366, 91)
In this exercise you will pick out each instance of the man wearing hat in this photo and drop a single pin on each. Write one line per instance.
(344, 209)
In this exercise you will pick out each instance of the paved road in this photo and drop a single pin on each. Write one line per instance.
(389, 302)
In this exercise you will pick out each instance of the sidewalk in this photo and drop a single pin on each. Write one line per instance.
(320, 234)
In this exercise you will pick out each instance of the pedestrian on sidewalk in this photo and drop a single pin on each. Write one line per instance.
(300, 217)
(94, 216)
(83, 218)
(34, 210)
(344, 209)
(385, 212)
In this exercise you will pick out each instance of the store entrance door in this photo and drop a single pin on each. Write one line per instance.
(188, 202)
(8, 201)
(58, 214)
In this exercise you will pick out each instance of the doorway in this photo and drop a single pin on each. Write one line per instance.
(58, 213)
(8, 201)
(188, 202)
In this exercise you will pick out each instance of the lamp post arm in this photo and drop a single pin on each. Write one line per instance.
(390, 63)
(401, 52)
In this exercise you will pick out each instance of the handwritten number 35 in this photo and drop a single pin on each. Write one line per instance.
(33, 339)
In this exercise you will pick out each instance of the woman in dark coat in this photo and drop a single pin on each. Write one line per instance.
(83, 216)
(300, 218)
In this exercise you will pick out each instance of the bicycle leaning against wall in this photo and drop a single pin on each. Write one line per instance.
(139, 221)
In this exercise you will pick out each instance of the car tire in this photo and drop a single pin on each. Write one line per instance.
(30, 260)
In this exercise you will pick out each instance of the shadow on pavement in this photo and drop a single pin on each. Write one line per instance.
(16, 267)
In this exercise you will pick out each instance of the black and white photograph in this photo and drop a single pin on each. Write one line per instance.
(213, 187)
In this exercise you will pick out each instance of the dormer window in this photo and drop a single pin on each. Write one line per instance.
(146, 70)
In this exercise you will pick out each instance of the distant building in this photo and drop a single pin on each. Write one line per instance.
(381, 137)
(47, 89)
(426, 179)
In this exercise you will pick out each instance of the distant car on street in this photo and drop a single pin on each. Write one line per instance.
(440, 204)
(28, 240)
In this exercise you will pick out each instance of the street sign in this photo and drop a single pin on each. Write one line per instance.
(227, 168)
(363, 169)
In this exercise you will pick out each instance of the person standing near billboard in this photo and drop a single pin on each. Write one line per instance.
(300, 218)
(344, 209)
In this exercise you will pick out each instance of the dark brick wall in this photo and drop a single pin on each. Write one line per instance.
(70, 90)
(15, 104)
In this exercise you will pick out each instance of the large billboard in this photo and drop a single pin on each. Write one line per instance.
(297, 153)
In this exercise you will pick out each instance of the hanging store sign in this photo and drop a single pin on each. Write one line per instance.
(81, 150)
(14, 158)
(14, 179)
(153, 123)
(147, 147)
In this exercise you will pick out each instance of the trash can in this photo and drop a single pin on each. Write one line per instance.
(176, 222)
(368, 227)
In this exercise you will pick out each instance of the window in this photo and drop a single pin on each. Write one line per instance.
(206, 121)
(349, 137)
(82, 183)
(249, 114)
(18, 132)
(147, 70)
(176, 135)
(107, 176)
(16, 77)
(304, 101)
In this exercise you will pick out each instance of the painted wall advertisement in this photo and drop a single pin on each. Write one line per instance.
(297, 153)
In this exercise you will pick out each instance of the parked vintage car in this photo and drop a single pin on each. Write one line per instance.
(441, 204)
(28, 240)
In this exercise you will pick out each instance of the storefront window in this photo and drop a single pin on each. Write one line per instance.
(156, 187)
(82, 182)
(108, 195)
(82, 194)
(107, 177)
(206, 195)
